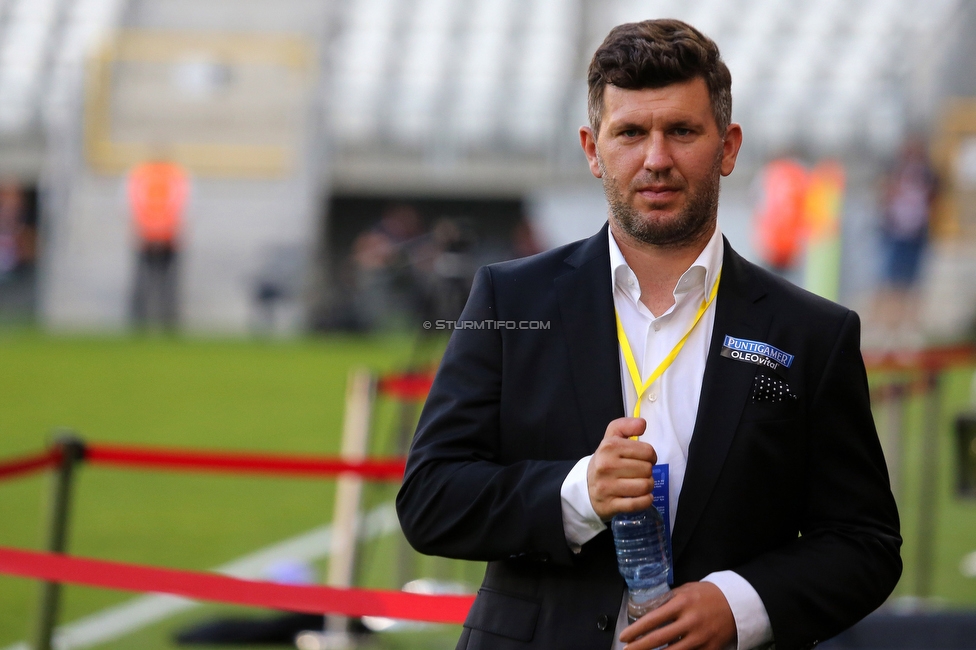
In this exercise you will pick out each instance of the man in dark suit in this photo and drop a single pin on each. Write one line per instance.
(784, 527)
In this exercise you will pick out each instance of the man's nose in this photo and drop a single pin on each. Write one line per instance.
(657, 154)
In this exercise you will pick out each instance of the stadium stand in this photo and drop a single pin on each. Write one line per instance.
(423, 98)
(499, 74)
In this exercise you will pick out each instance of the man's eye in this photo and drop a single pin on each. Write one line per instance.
(682, 132)
(630, 133)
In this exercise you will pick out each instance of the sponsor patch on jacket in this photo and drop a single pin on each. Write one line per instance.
(761, 354)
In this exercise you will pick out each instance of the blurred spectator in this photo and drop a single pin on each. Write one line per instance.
(11, 228)
(387, 293)
(277, 282)
(400, 274)
(453, 269)
(18, 236)
(780, 221)
(907, 195)
(405, 276)
(158, 192)
(524, 240)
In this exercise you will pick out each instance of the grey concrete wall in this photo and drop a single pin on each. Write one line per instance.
(237, 230)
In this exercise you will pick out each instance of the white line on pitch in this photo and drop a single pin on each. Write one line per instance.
(137, 613)
(968, 565)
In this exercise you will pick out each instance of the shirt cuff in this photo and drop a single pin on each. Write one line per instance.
(751, 620)
(580, 521)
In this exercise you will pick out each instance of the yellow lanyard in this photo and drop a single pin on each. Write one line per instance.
(640, 387)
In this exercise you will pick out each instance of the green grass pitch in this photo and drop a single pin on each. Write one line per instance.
(282, 397)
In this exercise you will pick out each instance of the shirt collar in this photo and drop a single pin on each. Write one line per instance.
(702, 271)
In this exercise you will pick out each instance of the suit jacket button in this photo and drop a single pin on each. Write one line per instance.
(601, 622)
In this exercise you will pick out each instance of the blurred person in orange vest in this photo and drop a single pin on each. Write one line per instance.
(158, 191)
(780, 221)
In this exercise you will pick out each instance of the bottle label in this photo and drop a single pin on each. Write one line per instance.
(662, 501)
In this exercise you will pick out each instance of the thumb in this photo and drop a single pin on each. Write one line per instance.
(626, 428)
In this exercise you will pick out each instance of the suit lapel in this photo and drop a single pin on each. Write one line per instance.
(725, 388)
(586, 308)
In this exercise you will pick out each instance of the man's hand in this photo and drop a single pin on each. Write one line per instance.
(619, 476)
(697, 616)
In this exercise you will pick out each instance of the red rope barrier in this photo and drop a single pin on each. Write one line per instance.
(29, 464)
(408, 386)
(189, 460)
(898, 390)
(203, 586)
(931, 359)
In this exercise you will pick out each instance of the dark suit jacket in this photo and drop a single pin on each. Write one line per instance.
(793, 496)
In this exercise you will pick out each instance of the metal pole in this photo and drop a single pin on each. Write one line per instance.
(72, 451)
(894, 410)
(928, 494)
(345, 518)
(360, 392)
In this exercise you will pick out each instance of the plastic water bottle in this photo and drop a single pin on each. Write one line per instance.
(643, 560)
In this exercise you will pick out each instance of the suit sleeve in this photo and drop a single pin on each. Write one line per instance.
(846, 560)
(461, 496)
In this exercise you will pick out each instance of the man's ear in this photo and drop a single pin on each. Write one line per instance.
(588, 142)
(730, 147)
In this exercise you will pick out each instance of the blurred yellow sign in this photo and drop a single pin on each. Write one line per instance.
(218, 104)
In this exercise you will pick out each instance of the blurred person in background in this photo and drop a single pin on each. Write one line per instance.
(371, 255)
(779, 222)
(386, 290)
(158, 192)
(11, 228)
(908, 193)
(18, 237)
(525, 241)
(452, 270)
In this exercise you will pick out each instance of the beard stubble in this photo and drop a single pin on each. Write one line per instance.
(686, 228)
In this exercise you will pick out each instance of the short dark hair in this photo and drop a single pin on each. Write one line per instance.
(654, 54)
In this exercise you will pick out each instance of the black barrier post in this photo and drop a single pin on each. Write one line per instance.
(966, 455)
(405, 554)
(928, 496)
(895, 435)
(72, 452)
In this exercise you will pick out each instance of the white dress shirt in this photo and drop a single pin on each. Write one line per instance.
(670, 407)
